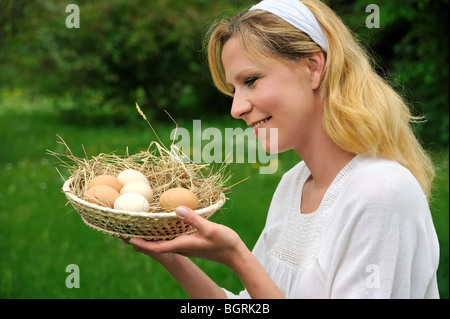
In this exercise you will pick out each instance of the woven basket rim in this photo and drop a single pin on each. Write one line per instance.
(70, 195)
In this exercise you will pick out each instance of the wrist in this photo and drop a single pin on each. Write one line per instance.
(241, 258)
(253, 275)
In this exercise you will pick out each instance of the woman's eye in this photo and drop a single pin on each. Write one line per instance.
(250, 81)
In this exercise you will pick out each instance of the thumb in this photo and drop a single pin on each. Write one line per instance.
(192, 218)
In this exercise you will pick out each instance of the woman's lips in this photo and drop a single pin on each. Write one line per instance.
(260, 124)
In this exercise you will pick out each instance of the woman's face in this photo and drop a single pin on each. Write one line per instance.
(276, 96)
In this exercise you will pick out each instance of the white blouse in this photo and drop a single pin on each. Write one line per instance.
(371, 237)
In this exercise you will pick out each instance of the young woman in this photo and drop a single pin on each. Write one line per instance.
(351, 220)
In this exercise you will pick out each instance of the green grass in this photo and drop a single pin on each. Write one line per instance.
(40, 236)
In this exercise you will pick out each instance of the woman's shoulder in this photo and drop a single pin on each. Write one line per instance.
(381, 195)
(384, 184)
(373, 173)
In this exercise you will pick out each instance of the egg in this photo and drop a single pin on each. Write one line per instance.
(131, 175)
(138, 187)
(175, 197)
(107, 180)
(102, 195)
(132, 202)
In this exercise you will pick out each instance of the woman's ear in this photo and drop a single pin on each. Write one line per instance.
(316, 65)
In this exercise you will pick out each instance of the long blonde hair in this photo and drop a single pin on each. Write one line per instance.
(362, 112)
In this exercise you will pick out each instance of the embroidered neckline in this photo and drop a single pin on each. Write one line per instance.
(333, 190)
(302, 233)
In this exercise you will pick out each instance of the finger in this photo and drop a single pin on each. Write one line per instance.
(142, 243)
(192, 218)
(153, 246)
(137, 241)
(125, 240)
(180, 245)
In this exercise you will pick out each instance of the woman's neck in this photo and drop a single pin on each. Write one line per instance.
(324, 159)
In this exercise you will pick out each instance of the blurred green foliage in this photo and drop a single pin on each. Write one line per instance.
(411, 51)
(151, 52)
(124, 51)
(54, 79)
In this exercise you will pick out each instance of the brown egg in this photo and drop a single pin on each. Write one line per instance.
(102, 195)
(174, 197)
(107, 180)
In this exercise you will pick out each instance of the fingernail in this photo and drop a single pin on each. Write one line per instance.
(181, 211)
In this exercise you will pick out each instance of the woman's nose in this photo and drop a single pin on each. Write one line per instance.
(240, 106)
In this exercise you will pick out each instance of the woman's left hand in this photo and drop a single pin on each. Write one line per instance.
(213, 241)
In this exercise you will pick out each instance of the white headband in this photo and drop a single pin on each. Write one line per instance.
(297, 14)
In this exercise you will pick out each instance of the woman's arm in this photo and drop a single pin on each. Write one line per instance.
(193, 280)
(213, 242)
(254, 277)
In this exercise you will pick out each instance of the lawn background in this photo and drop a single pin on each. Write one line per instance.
(40, 235)
(81, 83)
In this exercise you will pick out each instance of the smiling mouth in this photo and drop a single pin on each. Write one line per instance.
(261, 123)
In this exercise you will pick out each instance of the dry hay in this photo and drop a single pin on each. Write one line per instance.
(164, 168)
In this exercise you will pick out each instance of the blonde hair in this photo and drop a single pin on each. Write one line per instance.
(362, 112)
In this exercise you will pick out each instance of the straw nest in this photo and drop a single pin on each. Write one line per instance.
(165, 169)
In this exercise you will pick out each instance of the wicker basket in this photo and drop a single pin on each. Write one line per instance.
(149, 226)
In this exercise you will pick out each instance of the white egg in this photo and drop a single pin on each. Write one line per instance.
(132, 202)
(131, 175)
(138, 187)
